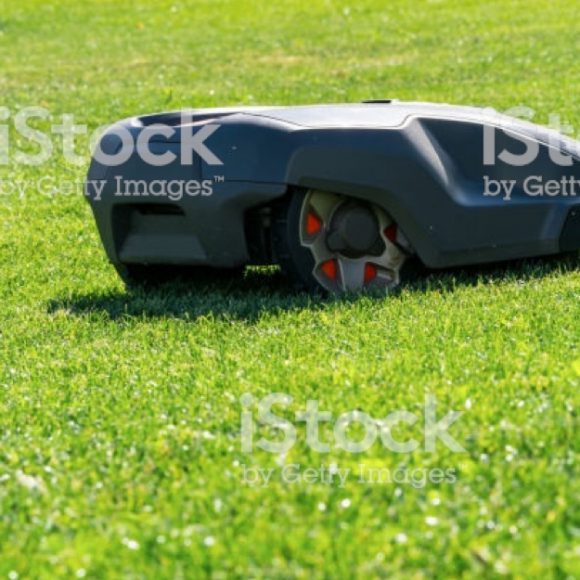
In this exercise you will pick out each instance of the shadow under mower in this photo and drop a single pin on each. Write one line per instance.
(340, 196)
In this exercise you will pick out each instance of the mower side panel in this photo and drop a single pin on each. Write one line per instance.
(430, 176)
(193, 230)
(424, 164)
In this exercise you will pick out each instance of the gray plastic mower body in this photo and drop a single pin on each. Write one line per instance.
(424, 164)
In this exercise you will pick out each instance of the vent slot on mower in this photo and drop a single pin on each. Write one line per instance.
(156, 234)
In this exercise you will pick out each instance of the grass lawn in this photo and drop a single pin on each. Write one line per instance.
(120, 451)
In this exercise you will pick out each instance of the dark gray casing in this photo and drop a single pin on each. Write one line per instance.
(422, 163)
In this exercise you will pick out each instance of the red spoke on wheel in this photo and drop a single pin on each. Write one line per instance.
(330, 269)
(391, 233)
(313, 223)
(370, 272)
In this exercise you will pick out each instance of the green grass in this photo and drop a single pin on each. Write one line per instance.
(120, 416)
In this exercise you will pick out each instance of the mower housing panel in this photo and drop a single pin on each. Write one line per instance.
(426, 165)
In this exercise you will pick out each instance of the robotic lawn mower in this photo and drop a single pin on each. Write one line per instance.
(339, 195)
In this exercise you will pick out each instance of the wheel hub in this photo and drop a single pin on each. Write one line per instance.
(354, 232)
